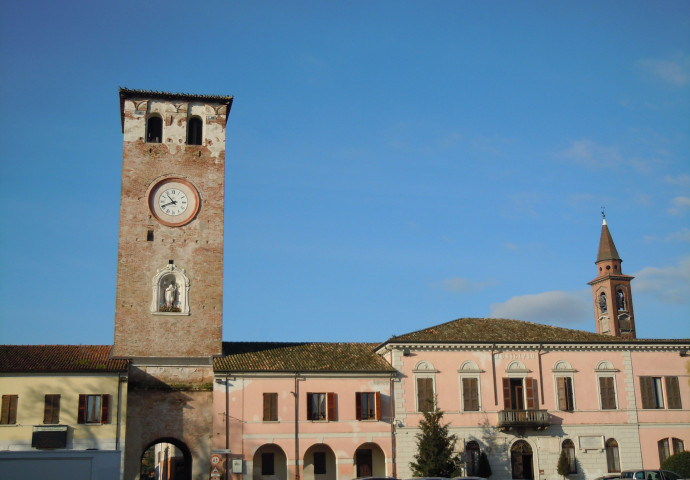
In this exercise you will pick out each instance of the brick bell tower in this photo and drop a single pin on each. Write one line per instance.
(613, 306)
(169, 294)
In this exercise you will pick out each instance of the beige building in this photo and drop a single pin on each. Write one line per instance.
(63, 412)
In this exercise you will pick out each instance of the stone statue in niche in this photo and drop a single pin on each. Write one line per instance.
(170, 291)
(171, 296)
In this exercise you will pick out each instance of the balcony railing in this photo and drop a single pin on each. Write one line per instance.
(537, 419)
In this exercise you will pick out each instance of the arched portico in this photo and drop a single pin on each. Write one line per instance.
(269, 462)
(370, 461)
(319, 463)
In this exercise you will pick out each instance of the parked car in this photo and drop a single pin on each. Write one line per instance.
(649, 475)
(609, 476)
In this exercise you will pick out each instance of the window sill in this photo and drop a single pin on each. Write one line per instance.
(171, 314)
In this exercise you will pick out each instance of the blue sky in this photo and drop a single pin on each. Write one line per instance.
(391, 165)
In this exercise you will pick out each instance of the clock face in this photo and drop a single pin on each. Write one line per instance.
(173, 201)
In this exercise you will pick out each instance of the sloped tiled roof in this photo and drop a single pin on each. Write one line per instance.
(59, 358)
(492, 330)
(300, 357)
(129, 93)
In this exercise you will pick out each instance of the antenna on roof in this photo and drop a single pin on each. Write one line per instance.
(603, 212)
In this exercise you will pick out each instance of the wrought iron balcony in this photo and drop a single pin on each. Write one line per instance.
(537, 419)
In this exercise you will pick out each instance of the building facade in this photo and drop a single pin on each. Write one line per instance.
(63, 412)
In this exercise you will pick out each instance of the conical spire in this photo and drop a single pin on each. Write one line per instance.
(607, 249)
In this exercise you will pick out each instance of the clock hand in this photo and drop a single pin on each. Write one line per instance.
(173, 201)
(167, 204)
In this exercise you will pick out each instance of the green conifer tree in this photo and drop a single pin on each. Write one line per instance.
(435, 447)
(483, 467)
(563, 466)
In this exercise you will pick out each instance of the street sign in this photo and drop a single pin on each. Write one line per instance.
(215, 459)
(215, 472)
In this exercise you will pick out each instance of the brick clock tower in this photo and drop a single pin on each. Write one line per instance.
(613, 307)
(168, 312)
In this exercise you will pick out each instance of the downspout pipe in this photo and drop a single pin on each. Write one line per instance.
(393, 426)
(297, 474)
(227, 426)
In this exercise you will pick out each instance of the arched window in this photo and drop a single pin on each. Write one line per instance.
(664, 450)
(154, 129)
(612, 459)
(602, 302)
(472, 458)
(194, 129)
(620, 300)
(569, 449)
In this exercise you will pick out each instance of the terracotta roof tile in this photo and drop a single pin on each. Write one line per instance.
(300, 357)
(490, 330)
(59, 358)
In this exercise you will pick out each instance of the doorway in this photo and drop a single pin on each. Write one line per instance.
(521, 460)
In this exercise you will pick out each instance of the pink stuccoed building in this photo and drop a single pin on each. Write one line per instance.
(518, 391)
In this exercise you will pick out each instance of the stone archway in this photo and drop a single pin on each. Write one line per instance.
(370, 461)
(166, 459)
(521, 460)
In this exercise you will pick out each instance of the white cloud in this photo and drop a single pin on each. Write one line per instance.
(459, 284)
(674, 72)
(589, 154)
(678, 205)
(681, 236)
(668, 284)
(556, 308)
(681, 180)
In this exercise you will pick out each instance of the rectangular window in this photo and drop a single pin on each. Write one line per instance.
(664, 450)
(319, 463)
(8, 412)
(650, 388)
(607, 393)
(470, 394)
(425, 394)
(672, 392)
(519, 396)
(321, 406)
(51, 412)
(564, 386)
(368, 405)
(94, 409)
(267, 464)
(270, 408)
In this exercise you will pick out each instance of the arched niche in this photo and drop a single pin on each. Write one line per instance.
(170, 291)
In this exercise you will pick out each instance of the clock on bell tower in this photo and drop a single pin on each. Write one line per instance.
(170, 254)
